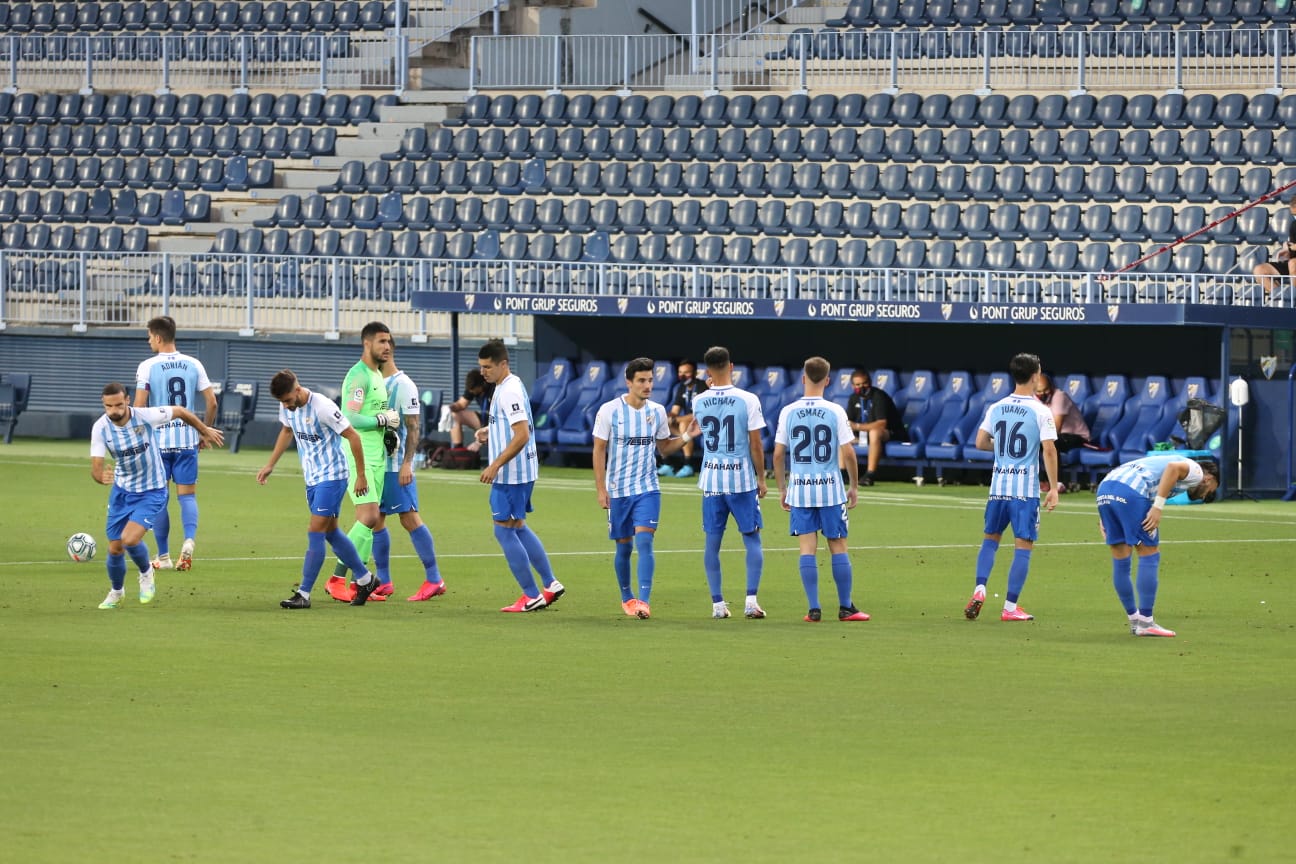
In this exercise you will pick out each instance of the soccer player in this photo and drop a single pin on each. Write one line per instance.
(172, 378)
(1130, 502)
(733, 475)
(400, 493)
(512, 474)
(1018, 428)
(132, 437)
(820, 439)
(365, 407)
(628, 431)
(319, 427)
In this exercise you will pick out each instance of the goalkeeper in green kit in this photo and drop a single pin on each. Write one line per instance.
(364, 395)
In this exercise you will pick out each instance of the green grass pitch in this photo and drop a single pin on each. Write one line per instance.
(213, 726)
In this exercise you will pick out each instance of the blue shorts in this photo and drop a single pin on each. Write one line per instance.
(1022, 513)
(397, 498)
(138, 507)
(831, 521)
(510, 501)
(181, 465)
(631, 512)
(325, 498)
(717, 506)
(1122, 511)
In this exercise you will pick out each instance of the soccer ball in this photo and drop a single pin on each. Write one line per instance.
(81, 547)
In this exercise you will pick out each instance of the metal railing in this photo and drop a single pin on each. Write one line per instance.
(266, 293)
(218, 61)
(1042, 60)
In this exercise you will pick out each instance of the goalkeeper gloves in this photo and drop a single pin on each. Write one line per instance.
(387, 419)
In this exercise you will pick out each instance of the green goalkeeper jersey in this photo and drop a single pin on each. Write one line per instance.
(364, 394)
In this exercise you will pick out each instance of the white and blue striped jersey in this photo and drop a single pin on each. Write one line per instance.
(631, 435)
(1144, 475)
(725, 415)
(813, 431)
(172, 378)
(403, 398)
(510, 404)
(1017, 424)
(318, 426)
(135, 448)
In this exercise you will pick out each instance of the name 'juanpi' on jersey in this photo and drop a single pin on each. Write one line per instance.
(1017, 425)
(726, 415)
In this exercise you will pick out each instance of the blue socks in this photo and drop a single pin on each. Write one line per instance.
(711, 564)
(810, 579)
(189, 515)
(842, 575)
(755, 561)
(421, 537)
(382, 555)
(515, 555)
(1017, 572)
(162, 529)
(117, 571)
(139, 554)
(1147, 582)
(1124, 585)
(346, 552)
(313, 562)
(535, 551)
(621, 566)
(985, 560)
(643, 543)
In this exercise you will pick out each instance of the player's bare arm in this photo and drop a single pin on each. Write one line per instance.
(1174, 473)
(758, 461)
(211, 436)
(357, 452)
(411, 444)
(521, 435)
(600, 472)
(780, 474)
(847, 458)
(1049, 449)
(281, 445)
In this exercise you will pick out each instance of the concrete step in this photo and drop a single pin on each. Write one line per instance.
(369, 149)
(304, 181)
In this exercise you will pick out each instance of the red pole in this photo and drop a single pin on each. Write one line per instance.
(1103, 277)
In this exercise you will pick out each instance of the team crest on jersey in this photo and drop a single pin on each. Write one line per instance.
(946, 309)
(622, 303)
(1113, 312)
(469, 301)
(1268, 365)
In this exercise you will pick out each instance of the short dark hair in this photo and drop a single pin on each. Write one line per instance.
(1023, 367)
(816, 369)
(163, 327)
(495, 351)
(474, 381)
(372, 329)
(283, 383)
(716, 357)
(113, 388)
(637, 365)
(686, 362)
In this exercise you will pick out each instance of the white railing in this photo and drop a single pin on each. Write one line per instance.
(160, 62)
(432, 20)
(731, 20)
(1042, 60)
(265, 293)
